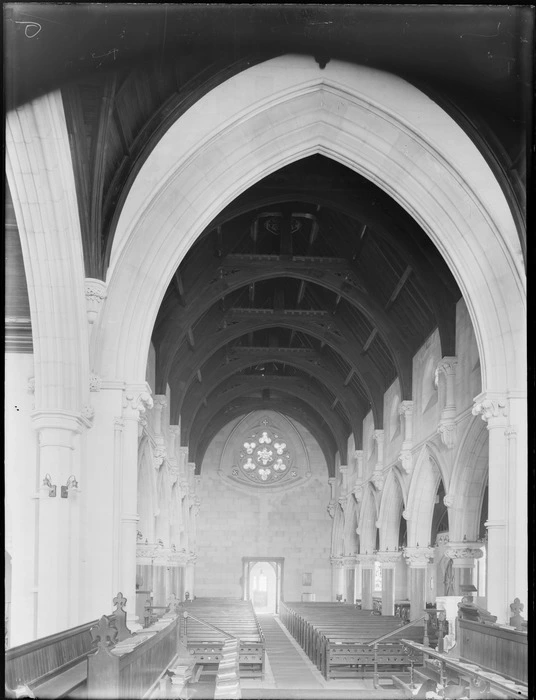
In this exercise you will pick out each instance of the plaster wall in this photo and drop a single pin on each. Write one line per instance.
(21, 486)
(235, 523)
(467, 383)
(426, 408)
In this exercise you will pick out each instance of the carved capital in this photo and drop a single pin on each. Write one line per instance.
(331, 509)
(31, 385)
(95, 382)
(442, 538)
(447, 432)
(174, 474)
(418, 557)
(406, 408)
(366, 561)
(358, 492)
(88, 414)
(406, 460)
(489, 407)
(137, 399)
(464, 550)
(388, 559)
(378, 480)
(337, 562)
(378, 436)
(160, 401)
(159, 456)
(349, 561)
(95, 291)
(446, 366)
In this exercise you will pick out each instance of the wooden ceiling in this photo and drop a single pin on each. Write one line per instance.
(313, 290)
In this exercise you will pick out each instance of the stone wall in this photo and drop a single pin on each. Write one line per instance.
(236, 522)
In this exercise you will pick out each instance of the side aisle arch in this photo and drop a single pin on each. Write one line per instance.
(392, 504)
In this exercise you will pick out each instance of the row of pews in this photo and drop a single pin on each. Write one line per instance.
(100, 659)
(339, 639)
(209, 622)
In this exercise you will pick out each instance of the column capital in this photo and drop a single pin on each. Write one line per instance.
(418, 557)
(387, 559)
(95, 292)
(378, 435)
(336, 562)
(343, 469)
(136, 400)
(446, 366)
(349, 561)
(174, 429)
(491, 407)
(160, 401)
(358, 492)
(377, 479)
(366, 561)
(464, 550)
(447, 432)
(406, 460)
(442, 538)
(405, 408)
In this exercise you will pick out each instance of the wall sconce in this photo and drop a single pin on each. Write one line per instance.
(47, 481)
(72, 483)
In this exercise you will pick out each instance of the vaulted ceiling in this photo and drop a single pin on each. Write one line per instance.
(312, 291)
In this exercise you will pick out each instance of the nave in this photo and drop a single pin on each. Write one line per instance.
(266, 343)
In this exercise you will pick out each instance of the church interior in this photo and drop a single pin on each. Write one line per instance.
(265, 355)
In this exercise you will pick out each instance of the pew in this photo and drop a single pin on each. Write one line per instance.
(133, 667)
(208, 623)
(56, 666)
(338, 638)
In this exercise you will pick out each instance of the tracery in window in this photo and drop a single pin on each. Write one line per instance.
(264, 456)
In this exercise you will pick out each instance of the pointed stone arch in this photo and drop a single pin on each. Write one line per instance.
(421, 495)
(148, 509)
(337, 533)
(391, 507)
(285, 109)
(367, 521)
(468, 483)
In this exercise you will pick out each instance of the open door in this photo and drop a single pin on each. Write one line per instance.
(263, 582)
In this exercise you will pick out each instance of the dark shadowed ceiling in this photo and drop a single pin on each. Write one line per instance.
(312, 291)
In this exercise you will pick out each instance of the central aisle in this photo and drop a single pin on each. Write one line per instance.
(290, 675)
(289, 668)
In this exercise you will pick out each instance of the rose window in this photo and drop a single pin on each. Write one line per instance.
(265, 458)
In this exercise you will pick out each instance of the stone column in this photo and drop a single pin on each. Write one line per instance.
(388, 561)
(493, 410)
(444, 378)
(135, 402)
(366, 562)
(463, 555)
(349, 564)
(160, 402)
(377, 476)
(405, 457)
(417, 559)
(337, 578)
(332, 502)
(344, 479)
(57, 571)
(189, 575)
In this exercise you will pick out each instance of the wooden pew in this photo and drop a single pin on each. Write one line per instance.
(225, 618)
(56, 666)
(336, 638)
(133, 667)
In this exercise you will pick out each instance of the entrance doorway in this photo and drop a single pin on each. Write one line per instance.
(263, 582)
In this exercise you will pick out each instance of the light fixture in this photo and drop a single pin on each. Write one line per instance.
(72, 483)
(47, 481)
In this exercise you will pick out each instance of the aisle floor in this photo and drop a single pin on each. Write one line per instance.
(290, 674)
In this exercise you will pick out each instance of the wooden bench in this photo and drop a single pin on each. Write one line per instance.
(337, 638)
(131, 668)
(224, 618)
(56, 666)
